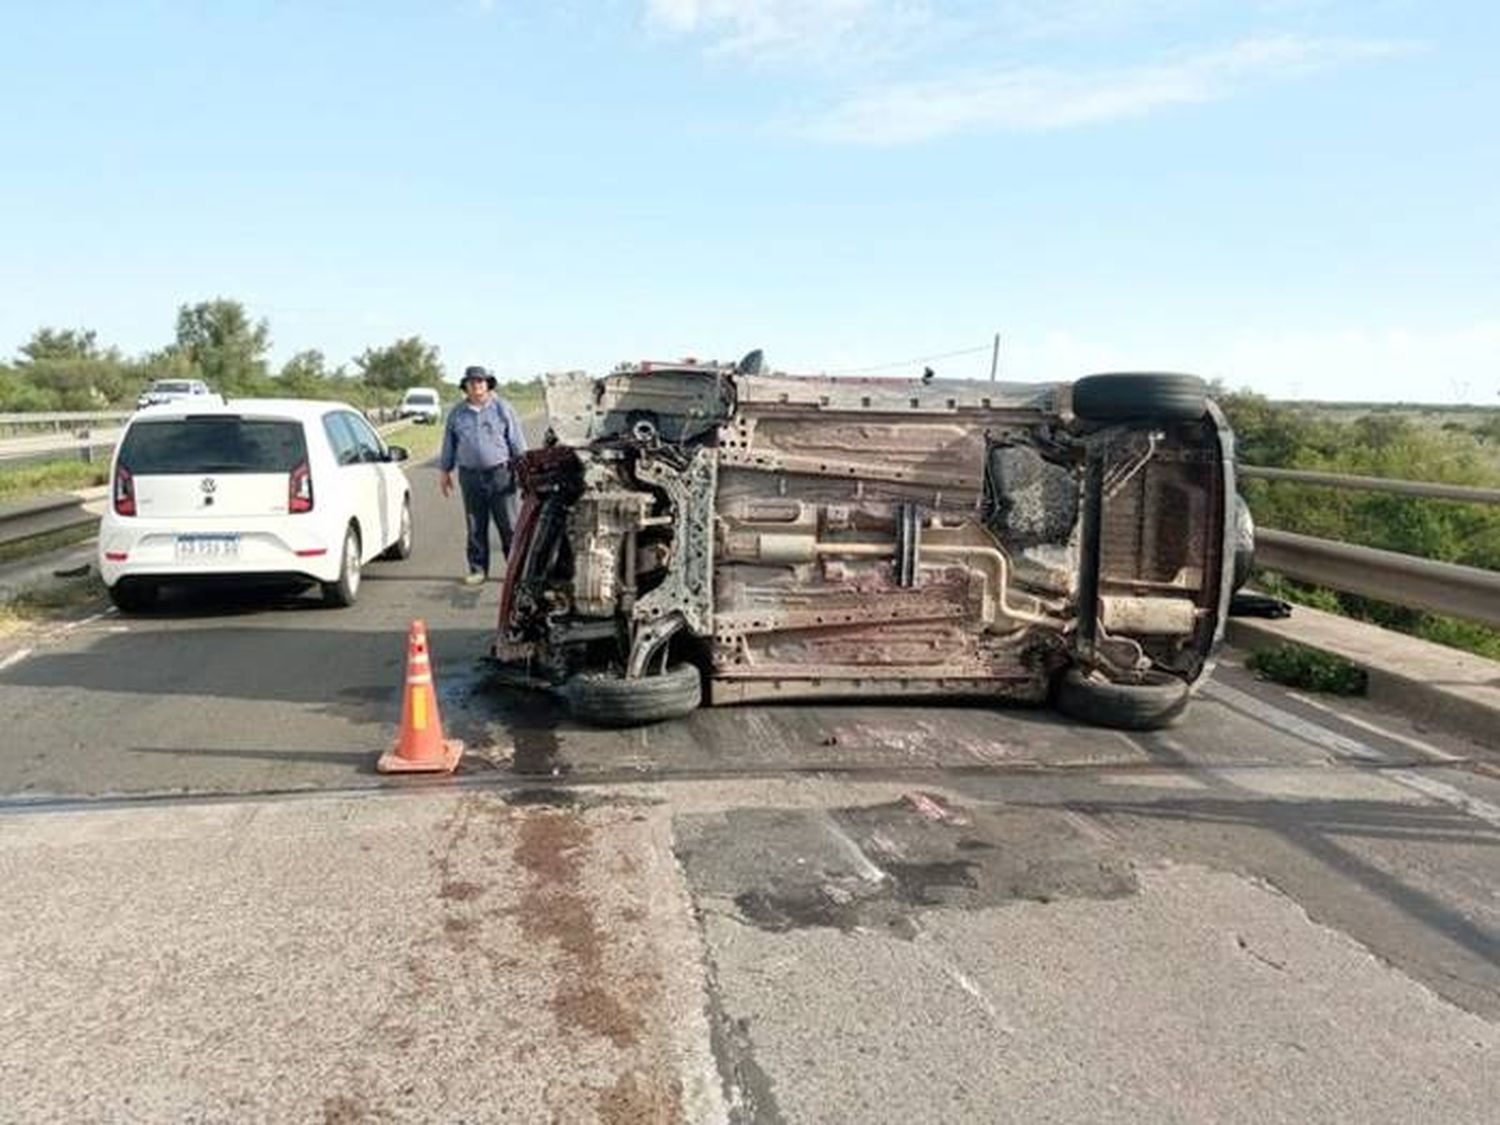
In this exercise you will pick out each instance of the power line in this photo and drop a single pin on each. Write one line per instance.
(905, 362)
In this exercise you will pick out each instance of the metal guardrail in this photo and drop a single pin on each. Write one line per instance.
(86, 443)
(63, 512)
(1458, 492)
(1466, 592)
(1386, 576)
(29, 419)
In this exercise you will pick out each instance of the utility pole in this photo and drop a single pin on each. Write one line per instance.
(995, 358)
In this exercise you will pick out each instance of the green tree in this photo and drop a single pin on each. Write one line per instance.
(407, 363)
(61, 343)
(18, 393)
(65, 369)
(222, 343)
(306, 375)
(1381, 443)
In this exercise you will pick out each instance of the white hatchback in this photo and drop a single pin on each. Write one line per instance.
(252, 491)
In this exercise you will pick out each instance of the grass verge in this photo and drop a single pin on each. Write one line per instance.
(1301, 667)
(22, 482)
(420, 442)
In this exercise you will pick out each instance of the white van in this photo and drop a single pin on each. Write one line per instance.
(175, 390)
(421, 403)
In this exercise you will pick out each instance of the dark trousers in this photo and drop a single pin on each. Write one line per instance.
(489, 496)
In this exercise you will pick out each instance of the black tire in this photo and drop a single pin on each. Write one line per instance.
(1140, 397)
(1150, 705)
(401, 548)
(133, 596)
(609, 700)
(345, 591)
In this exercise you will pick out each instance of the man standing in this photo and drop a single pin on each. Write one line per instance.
(482, 437)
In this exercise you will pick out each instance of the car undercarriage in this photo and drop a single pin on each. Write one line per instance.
(707, 532)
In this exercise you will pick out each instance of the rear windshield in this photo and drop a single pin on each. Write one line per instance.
(212, 445)
(426, 398)
(172, 388)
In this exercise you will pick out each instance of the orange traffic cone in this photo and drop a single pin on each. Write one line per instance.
(420, 747)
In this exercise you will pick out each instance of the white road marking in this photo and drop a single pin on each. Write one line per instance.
(964, 982)
(14, 658)
(1448, 794)
(1438, 790)
(1424, 748)
(1274, 716)
(931, 950)
(866, 867)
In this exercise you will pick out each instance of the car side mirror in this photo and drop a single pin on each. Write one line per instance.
(396, 453)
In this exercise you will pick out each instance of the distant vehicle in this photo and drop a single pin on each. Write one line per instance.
(724, 533)
(421, 403)
(261, 491)
(175, 390)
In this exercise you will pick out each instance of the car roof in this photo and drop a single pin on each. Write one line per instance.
(299, 409)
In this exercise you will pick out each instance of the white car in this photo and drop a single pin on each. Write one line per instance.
(263, 490)
(176, 390)
(421, 403)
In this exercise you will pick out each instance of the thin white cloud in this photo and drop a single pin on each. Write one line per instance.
(1034, 98)
(1059, 19)
(782, 30)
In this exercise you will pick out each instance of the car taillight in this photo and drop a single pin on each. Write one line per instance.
(124, 492)
(299, 492)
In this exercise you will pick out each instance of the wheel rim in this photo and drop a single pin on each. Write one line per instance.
(351, 562)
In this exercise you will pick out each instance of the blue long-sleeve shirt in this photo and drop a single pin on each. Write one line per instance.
(483, 438)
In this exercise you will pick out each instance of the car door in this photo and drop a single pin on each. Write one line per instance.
(358, 480)
(389, 481)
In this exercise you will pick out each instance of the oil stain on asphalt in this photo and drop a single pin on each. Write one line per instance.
(878, 867)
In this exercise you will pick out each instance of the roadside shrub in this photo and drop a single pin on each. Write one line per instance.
(1301, 667)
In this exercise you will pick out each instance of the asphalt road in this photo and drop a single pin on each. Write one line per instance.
(1273, 912)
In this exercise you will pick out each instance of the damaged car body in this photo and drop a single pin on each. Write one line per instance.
(709, 532)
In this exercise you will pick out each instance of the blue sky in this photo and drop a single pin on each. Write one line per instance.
(1297, 196)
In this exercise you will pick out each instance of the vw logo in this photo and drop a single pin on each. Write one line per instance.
(208, 485)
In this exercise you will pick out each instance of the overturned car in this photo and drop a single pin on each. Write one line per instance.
(699, 532)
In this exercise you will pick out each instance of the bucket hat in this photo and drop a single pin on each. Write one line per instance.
(476, 372)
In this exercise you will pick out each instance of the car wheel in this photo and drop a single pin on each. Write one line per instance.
(401, 548)
(346, 589)
(131, 596)
(609, 700)
(1154, 703)
(1140, 397)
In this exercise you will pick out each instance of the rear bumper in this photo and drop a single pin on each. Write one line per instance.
(150, 552)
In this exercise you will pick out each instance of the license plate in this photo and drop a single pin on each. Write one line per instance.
(208, 547)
